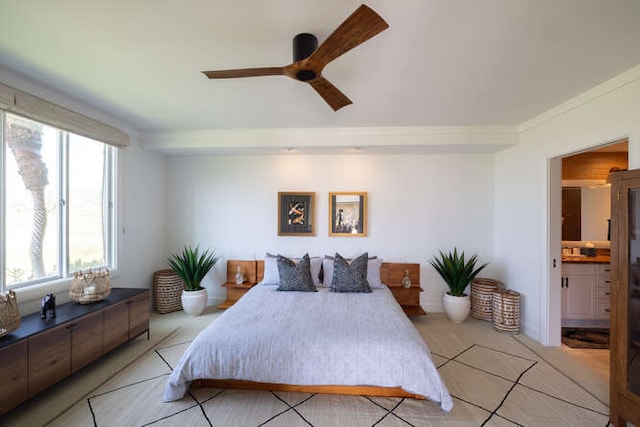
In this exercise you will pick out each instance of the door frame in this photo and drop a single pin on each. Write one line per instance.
(551, 322)
(552, 319)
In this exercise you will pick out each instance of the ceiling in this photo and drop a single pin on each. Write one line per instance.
(440, 63)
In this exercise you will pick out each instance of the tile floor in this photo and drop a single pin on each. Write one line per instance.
(496, 379)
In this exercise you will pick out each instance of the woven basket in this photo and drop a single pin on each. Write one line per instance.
(9, 316)
(482, 297)
(506, 311)
(90, 286)
(167, 291)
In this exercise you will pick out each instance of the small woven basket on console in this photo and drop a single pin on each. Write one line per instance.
(167, 291)
(90, 286)
(482, 297)
(9, 316)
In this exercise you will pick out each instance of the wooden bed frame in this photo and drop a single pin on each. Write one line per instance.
(390, 274)
(325, 389)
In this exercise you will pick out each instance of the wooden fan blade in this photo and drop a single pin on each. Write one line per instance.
(244, 72)
(330, 93)
(359, 27)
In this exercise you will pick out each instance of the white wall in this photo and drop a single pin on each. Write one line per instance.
(142, 217)
(417, 204)
(496, 205)
(607, 113)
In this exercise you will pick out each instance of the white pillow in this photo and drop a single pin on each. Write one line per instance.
(373, 271)
(316, 265)
(327, 268)
(271, 275)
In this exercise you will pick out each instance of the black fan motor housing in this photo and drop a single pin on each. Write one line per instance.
(303, 46)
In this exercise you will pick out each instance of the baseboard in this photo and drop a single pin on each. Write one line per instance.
(215, 301)
(433, 308)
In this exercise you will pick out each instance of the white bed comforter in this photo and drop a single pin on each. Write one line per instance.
(312, 338)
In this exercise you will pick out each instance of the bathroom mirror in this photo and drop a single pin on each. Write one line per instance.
(586, 211)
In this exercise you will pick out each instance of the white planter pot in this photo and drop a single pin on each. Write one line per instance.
(194, 302)
(456, 308)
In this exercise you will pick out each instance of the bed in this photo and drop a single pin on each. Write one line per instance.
(348, 343)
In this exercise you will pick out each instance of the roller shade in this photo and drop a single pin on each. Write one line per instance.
(35, 108)
(6, 96)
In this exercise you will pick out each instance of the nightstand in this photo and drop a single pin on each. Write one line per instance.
(409, 299)
(235, 291)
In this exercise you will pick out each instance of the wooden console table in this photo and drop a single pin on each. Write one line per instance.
(42, 352)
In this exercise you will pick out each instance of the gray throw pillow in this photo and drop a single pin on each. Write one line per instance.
(295, 277)
(350, 277)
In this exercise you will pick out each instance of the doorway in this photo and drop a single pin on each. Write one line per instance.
(584, 174)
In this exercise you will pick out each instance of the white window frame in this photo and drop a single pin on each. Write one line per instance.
(112, 237)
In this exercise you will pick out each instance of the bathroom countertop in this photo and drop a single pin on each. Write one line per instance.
(581, 259)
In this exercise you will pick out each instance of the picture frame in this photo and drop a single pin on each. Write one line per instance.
(348, 214)
(296, 214)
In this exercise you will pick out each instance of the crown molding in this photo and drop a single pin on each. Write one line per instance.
(373, 140)
(621, 80)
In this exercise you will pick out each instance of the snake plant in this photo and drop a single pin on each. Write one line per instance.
(457, 271)
(192, 266)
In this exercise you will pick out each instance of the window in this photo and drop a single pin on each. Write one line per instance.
(58, 203)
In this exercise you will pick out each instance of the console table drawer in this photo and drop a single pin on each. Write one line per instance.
(13, 376)
(49, 358)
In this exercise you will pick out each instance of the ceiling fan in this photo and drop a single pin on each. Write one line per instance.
(309, 59)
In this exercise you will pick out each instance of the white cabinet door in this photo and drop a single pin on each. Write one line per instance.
(579, 301)
(578, 291)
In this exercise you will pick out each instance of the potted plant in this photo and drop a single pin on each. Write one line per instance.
(457, 272)
(192, 266)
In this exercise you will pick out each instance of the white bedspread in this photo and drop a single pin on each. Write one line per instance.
(312, 338)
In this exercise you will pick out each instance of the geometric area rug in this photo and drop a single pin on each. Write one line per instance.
(494, 379)
(586, 337)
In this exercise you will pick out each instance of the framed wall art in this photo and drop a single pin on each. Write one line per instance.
(348, 214)
(296, 212)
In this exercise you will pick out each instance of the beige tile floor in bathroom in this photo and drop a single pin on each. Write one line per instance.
(496, 379)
